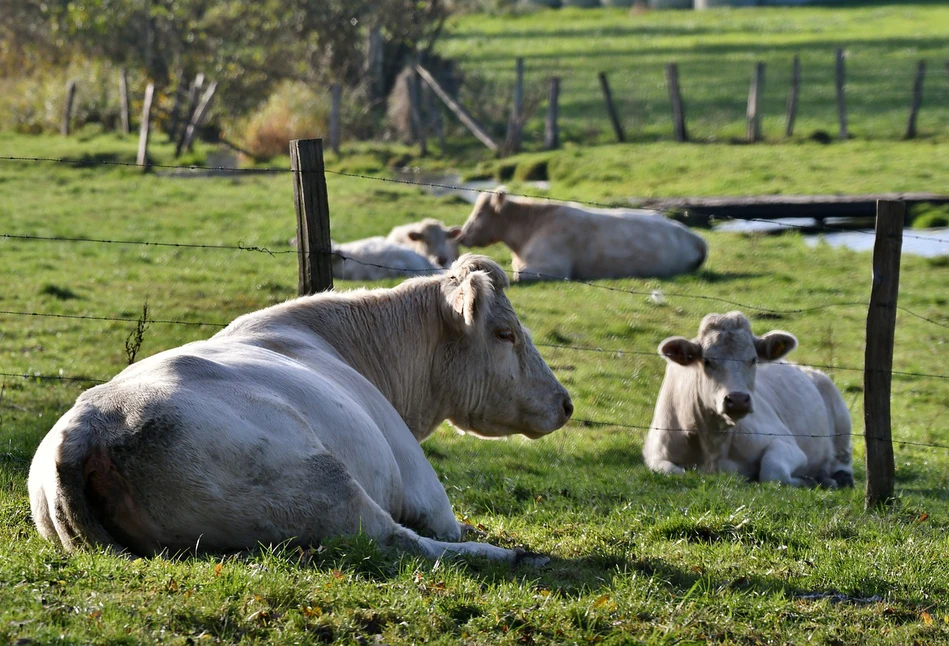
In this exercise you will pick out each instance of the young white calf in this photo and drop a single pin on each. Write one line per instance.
(377, 258)
(719, 410)
(299, 422)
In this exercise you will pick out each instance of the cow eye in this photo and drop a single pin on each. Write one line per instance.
(505, 334)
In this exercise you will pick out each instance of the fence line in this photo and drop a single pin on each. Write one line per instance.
(405, 182)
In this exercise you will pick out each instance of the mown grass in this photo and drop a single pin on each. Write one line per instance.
(716, 51)
(635, 556)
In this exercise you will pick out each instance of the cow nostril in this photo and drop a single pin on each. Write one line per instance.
(567, 406)
(442, 260)
(737, 402)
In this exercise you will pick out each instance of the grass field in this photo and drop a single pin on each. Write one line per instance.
(716, 52)
(635, 557)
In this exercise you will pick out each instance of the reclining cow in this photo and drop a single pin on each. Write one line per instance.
(377, 258)
(719, 410)
(299, 422)
(567, 241)
(429, 238)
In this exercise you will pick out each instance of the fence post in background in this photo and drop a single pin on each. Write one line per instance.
(196, 119)
(754, 103)
(917, 99)
(142, 158)
(374, 65)
(124, 100)
(67, 108)
(841, 99)
(678, 113)
(792, 96)
(512, 142)
(878, 358)
(193, 93)
(458, 110)
(415, 112)
(336, 93)
(614, 117)
(313, 216)
(551, 132)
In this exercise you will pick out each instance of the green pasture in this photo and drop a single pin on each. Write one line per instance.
(635, 557)
(716, 51)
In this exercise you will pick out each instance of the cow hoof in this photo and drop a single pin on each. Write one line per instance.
(843, 478)
(469, 532)
(531, 559)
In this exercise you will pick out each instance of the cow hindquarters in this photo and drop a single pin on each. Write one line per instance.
(781, 461)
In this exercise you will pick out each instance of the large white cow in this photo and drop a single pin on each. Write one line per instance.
(728, 404)
(430, 238)
(377, 258)
(571, 241)
(299, 422)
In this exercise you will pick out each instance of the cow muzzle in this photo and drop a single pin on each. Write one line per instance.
(737, 405)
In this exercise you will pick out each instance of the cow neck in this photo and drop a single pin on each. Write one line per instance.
(520, 222)
(686, 400)
(382, 335)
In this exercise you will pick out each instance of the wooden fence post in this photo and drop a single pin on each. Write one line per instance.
(193, 94)
(142, 158)
(458, 110)
(415, 112)
(614, 117)
(878, 359)
(512, 142)
(336, 93)
(917, 99)
(675, 96)
(792, 96)
(196, 119)
(551, 131)
(67, 108)
(313, 216)
(375, 59)
(841, 99)
(754, 103)
(126, 124)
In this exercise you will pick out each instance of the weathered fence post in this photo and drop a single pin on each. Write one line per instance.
(67, 108)
(841, 99)
(458, 110)
(124, 100)
(675, 96)
(193, 93)
(512, 142)
(614, 117)
(336, 93)
(415, 112)
(551, 131)
(313, 216)
(375, 54)
(754, 103)
(792, 96)
(142, 158)
(878, 359)
(917, 99)
(196, 119)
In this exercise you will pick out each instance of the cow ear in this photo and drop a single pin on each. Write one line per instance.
(680, 350)
(774, 345)
(468, 301)
(498, 197)
(453, 233)
(415, 235)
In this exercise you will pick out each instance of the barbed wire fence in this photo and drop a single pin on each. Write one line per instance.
(612, 352)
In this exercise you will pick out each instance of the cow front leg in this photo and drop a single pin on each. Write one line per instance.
(780, 461)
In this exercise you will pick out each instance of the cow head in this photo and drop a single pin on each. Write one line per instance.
(432, 239)
(497, 382)
(725, 358)
(481, 228)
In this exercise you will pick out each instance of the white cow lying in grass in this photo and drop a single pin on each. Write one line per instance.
(429, 238)
(377, 258)
(768, 422)
(571, 241)
(298, 422)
